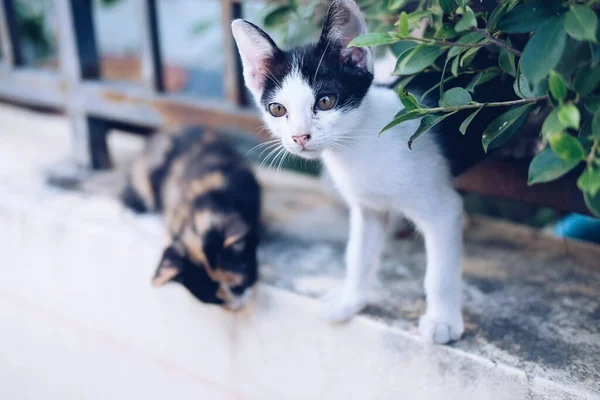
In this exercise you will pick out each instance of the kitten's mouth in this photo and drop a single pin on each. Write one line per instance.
(305, 153)
(236, 303)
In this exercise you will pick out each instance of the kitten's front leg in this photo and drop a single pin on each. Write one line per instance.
(443, 231)
(367, 228)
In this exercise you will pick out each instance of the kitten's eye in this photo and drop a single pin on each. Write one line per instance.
(277, 110)
(326, 102)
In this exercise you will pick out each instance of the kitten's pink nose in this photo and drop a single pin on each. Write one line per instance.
(301, 139)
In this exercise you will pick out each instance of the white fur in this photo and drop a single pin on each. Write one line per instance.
(379, 176)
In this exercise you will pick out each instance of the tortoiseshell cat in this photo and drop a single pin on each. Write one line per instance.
(211, 202)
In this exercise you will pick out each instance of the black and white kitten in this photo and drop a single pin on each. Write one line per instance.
(320, 101)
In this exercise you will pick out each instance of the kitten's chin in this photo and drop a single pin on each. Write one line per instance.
(238, 302)
(308, 154)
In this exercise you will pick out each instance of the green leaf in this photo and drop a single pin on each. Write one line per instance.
(586, 80)
(481, 78)
(467, 21)
(403, 25)
(447, 6)
(468, 56)
(544, 50)
(504, 127)
(589, 181)
(527, 17)
(371, 39)
(445, 31)
(404, 115)
(592, 104)
(547, 166)
(581, 23)
(465, 124)
(454, 66)
(498, 13)
(566, 146)
(595, 48)
(469, 38)
(557, 85)
(596, 125)
(552, 124)
(456, 97)
(416, 60)
(593, 203)
(506, 61)
(278, 16)
(408, 100)
(396, 4)
(427, 123)
(415, 18)
(569, 116)
(525, 90)
(400, 47)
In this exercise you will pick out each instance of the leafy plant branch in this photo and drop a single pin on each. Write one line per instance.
(481, 105)
(498, 42)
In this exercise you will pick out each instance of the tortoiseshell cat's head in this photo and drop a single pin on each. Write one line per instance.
(211, 202)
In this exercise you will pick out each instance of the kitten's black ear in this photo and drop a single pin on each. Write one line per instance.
(256, 49)
(343, 23)
(170, 267)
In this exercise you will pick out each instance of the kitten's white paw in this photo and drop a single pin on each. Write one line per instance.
(340, 306)
(441, 330)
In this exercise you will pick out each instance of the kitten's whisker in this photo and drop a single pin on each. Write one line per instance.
(271, 151)
(285, 155)
(258, 146)
(272, 155)
(319, 64)
(281, 151)
(269, 147)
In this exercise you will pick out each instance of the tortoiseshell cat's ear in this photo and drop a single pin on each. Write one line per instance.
(235, 230)
(169, 268)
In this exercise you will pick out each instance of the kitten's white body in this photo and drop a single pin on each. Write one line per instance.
(376, 175)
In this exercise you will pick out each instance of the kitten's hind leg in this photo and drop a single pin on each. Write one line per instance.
(442, 228)
(367, 230)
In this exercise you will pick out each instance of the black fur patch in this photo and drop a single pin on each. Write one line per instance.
(344, 79)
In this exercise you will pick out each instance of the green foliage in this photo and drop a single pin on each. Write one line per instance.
(544, 49)
(504, 127)
(547, 166)
(549, 51)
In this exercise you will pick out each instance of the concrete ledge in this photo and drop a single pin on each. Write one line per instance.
(82, 321)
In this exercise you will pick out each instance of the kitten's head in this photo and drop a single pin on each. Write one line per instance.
(214, 257)
(306, 93)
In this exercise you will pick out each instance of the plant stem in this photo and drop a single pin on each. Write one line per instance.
(499, 42)
(444, 43)
(447, 43)
(480, 105)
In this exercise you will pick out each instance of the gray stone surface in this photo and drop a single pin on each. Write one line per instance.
(532, 303)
